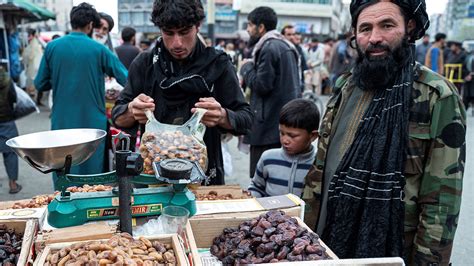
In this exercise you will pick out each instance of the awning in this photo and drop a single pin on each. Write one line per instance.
(26, 9)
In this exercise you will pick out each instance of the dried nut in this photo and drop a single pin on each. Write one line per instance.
(146, 242)
(157, 256)
(54, 258)
(138, 251)
(63, 261)
(169, 257)
(105, 261)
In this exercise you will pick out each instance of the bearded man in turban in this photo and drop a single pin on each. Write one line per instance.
(387, 179)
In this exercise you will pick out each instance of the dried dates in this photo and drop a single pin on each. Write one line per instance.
(272, 237)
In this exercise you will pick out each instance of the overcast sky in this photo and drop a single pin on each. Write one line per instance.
(110, 7)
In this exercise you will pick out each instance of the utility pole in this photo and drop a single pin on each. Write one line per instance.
(211, 19)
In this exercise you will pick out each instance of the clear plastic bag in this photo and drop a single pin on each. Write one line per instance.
(163, 141)
(24, 104)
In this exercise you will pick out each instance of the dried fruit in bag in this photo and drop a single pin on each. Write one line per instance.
(162, 141)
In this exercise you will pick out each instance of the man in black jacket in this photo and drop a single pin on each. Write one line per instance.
(181, 74)
(273, 77)
(291, 35)
(127, 51)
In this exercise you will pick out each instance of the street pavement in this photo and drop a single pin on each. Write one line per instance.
(35, 183)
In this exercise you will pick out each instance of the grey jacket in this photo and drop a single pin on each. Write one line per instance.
(274, 80)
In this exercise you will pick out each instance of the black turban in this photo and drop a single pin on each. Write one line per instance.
(414, 9)
(108, 18)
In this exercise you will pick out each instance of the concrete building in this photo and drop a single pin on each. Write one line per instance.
(137, 14)
(310, 17)
(460, 19)
(61, 8)
(437, 25)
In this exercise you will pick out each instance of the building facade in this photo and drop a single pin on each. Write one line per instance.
(437, 25)
(61, 8)
(137, 14)
(459, 22)
(310, 17)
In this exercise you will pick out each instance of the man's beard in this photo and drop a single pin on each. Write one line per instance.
(253, 40)
(100, 39)
(376, 73)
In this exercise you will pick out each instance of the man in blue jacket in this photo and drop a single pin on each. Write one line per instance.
(74, 67)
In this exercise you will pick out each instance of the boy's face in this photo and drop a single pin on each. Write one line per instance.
(296, 140)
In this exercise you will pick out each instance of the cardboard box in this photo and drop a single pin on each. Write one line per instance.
(206, 229)
(165, 239)
(38, 214)
(291, 204)
(29, 229)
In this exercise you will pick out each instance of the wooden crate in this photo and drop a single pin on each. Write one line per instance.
(289, 203)
(234, 190)
(206, 229)
(165, 239)
(95, 231)
(29, 229)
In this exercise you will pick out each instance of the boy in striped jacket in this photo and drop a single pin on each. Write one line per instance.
(282, 171)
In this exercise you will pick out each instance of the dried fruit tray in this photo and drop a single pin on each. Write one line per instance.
(164, 239)
(29, 229)
(205, 229)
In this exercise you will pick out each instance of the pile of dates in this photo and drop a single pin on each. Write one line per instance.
(272, 237)
(88, 188)
(35, 202)
(121, 249)
(10, 246)
(213, 195)
(171, 145)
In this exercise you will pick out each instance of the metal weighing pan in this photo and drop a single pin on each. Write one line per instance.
(47, 151)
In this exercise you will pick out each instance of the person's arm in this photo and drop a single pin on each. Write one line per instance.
(428, 58)
(43, 77)
(229, 94)
(441, 62)
(441, 184)
(122, 115)
(260, 78)
(258, 184)
(113, 67)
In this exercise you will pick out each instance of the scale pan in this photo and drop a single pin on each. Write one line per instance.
(48, 149)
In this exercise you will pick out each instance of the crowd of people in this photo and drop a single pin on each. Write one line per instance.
(386, 176)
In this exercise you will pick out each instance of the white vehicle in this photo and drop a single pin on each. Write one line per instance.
(468, 45)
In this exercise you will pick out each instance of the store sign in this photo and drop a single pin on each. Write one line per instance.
(470, 12)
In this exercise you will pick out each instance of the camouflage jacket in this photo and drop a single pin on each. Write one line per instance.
(433, 170)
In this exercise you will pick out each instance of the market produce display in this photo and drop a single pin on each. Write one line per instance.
(44, 200)
(10, 245)
(121, 249)
(272, 237)
(171, 145)
(214, 195)
(35, 202)
(88, 188)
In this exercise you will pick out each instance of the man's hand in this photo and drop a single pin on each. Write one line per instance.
(215, 115)
(138, 106)
(469, 77)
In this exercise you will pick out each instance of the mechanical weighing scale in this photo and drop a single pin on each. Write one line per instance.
(58, 150)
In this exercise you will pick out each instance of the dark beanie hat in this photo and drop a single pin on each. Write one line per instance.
(108, 18)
